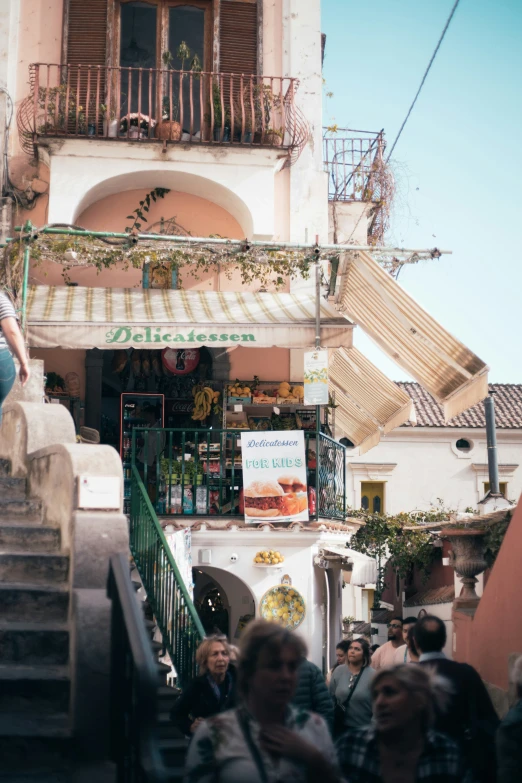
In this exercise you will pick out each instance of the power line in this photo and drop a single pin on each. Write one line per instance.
(450, 17)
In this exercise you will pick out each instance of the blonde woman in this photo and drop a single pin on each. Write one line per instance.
(264, 740)
(402, 745)
(213, 691)
(11, 341)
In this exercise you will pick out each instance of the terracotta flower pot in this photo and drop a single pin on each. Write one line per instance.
(273, 139)
(168, 131)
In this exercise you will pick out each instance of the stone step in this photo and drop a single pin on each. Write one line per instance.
(166, 729)
(167, 697)
(27, 538)
(30, 602)
(34, 726)
(34, 643)
(33, 568)
(12, 488)
(26, 510)
(41, 689)
(5, 468)
(174, 752)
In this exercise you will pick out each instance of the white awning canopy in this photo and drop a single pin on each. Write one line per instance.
(411, 337)
(109, 318)
(364, 570)
(368, 403)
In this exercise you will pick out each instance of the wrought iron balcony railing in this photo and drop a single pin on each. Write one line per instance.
(355, 165)
(146, 104)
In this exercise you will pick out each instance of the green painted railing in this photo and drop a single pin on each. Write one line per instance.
(171, 604)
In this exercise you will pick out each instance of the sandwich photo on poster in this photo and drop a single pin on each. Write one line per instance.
(274, 476)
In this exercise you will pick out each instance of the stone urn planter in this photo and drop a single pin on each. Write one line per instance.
(468, 561)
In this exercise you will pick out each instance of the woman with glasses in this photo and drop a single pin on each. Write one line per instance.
(384, 657)
(350, 688)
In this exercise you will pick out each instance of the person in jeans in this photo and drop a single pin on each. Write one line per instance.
(401, 745)
(350, 688)
(11, 341)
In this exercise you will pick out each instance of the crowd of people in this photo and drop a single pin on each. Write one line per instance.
(399, 713)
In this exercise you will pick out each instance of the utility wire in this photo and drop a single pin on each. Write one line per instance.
(450, 17)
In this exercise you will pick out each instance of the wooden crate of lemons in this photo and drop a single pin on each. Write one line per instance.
(283, 605)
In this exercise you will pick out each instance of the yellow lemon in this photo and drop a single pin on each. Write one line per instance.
(288, 599)
(280, 612)
(286, 616)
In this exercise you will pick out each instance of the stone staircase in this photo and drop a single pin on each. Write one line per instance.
(36, 731)
(34, 639)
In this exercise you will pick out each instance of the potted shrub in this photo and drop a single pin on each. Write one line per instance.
(273, 137)
(220, 133)
(110, 123)
(174, 476)
(138, 125)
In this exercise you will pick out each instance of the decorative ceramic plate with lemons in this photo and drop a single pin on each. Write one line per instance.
(283, 605)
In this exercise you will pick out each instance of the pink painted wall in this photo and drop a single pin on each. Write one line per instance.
(495, 632)
(269, 364)
(273, 37)
(62, 362)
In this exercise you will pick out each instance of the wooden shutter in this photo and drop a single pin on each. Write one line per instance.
(87, 32)
(87, 45)
(238, 37)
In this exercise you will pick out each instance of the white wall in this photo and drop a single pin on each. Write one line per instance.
(429, 467)
(298, 548)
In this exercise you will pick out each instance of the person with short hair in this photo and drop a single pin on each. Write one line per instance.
(401, 744)
(469, 716)
(509, 734)
(11, 341)
(265, 739)
(402, 654)
(385, 655)
(312, 694)
(350, 688)
(213, 691)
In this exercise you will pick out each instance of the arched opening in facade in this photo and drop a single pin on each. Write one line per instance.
(224, 602)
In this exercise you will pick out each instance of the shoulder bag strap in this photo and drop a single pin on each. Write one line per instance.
(254, 750)
(344, 706)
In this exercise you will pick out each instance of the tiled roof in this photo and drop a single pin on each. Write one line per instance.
(382, 616)
(237, 523)
(437, 595)
(359, 626)
(508, 408)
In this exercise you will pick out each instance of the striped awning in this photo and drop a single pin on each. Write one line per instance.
(411, 337)
(369, 405)
(74, 317)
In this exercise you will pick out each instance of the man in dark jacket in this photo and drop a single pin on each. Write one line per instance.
(470, 717)
(212, 692)
(509, 735)
(312, 694)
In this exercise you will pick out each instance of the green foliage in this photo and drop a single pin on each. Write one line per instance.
(144, 206)
(493, 540)
(388, 539)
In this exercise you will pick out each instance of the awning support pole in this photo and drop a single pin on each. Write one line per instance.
(317, 407)
(491, 436)
(27, 259)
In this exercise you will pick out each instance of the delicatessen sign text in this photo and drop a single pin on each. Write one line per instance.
(274, 476)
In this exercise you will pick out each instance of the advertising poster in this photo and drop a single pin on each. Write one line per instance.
(274, 477)
(316, 378)
(180, 544)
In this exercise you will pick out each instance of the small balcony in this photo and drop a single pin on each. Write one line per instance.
(355, 165)
(146, 105)
(199, 472)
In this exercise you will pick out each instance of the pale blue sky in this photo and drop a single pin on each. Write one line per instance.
(458, 162)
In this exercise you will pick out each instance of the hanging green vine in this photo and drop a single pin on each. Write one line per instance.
(388, 539)
(144, 206)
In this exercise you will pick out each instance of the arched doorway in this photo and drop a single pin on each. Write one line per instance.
(224, 602)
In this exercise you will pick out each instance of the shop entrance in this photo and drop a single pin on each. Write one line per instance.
(224, 602)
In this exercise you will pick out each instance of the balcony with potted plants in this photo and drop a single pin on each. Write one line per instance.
(161, 106)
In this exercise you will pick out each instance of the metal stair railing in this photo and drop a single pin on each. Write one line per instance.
(135, 745)
(167, 594)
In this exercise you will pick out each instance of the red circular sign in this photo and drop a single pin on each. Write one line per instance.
(180, 361)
